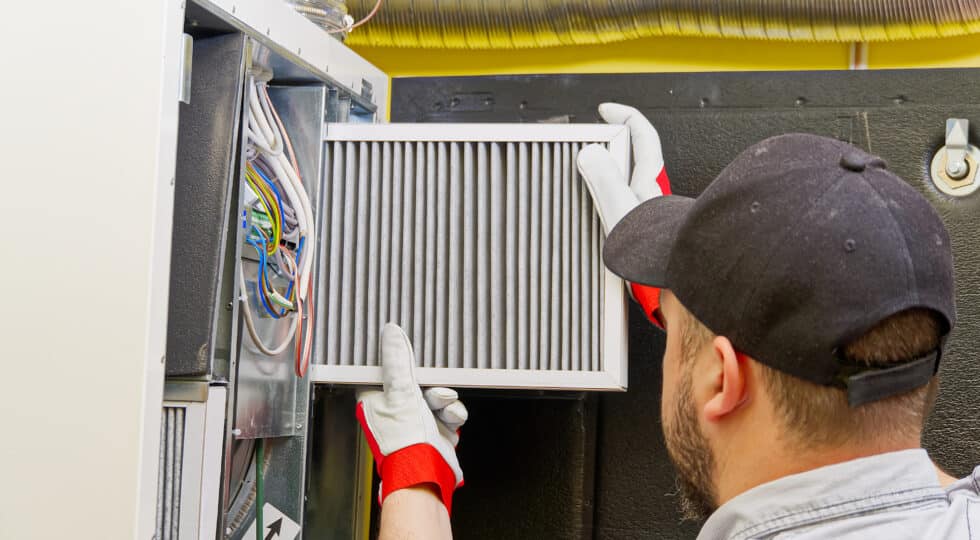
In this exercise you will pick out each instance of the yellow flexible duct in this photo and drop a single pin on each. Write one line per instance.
(515, 24)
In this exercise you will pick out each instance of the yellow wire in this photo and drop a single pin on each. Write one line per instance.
(257, 183)
(274, 213)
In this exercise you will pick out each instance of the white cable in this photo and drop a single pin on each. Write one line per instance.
(263, 131)
(262, 121)
(283, 168)
(250, 324)
(269, 119)
(257, 143)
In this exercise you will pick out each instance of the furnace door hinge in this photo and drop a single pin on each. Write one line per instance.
(954, 167)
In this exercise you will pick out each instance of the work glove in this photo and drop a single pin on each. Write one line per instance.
(412, 435)
(614, 194)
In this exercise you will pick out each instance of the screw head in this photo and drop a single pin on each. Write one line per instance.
(957, 169)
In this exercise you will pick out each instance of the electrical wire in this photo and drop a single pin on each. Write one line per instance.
(250, 324)
(283, 168)
(272, 173)
(303, 360)
(366, 18)
(269, 136)
(271, 204)
(289, 220)
(263, 280)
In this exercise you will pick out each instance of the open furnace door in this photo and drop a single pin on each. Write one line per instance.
(482, 242)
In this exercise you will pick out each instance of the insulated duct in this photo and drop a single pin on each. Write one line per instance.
(516, 24)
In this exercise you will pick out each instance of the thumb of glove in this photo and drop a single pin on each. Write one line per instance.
(397, 363)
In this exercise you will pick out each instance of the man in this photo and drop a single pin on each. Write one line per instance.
(807, 295)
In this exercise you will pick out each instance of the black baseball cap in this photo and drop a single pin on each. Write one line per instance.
(801, 244)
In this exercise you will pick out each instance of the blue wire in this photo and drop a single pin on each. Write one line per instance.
(262, 276)
(264, 259)
(299, 247)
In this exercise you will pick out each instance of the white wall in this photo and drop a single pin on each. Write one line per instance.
(87, 136)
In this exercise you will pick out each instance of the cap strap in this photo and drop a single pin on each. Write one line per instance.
(876, 384)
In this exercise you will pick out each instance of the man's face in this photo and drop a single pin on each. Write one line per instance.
(686, 444)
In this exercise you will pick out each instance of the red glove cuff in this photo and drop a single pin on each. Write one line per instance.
(649, 299)
(415, 465)
(411, 466)
(663, 182)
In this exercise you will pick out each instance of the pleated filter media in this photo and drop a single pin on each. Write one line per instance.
(482, 242)
(170, 473)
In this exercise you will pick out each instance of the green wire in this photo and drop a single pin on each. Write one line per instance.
(259, 488)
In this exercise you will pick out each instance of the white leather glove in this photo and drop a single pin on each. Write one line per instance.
(412, 434)
(614, 194)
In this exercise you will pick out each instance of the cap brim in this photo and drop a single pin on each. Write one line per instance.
(638, 248)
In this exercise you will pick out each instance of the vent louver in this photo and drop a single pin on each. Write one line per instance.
(481, 241)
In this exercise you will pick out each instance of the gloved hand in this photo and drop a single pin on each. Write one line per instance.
(614, 194)
(412, 435)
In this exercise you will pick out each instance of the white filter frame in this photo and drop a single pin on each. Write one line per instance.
(612, 374)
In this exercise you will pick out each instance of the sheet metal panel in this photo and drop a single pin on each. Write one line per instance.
(267, 389)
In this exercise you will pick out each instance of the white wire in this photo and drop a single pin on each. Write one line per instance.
(266, 126)
(282, 168)
(264, 133)
(250, 324)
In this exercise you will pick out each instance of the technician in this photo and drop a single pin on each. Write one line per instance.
(807, 293)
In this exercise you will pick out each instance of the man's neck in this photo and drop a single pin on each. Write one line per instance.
(741, 472)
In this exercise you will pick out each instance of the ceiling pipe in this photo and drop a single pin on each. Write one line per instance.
(516, 24)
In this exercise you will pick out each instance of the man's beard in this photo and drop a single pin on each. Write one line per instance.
(692, 457)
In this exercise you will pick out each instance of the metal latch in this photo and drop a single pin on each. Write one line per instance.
(954, 167)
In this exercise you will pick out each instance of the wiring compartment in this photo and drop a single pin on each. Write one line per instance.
(268, 389)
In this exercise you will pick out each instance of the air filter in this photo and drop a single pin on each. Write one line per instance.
(482, 242)
(170, 473)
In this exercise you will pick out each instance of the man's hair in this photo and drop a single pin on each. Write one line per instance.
(815, 415)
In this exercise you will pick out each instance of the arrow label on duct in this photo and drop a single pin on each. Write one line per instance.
(274, 529)
(278, 526)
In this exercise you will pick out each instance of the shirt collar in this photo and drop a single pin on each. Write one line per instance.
(852, 479)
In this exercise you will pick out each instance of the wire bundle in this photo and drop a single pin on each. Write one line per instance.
(282, 216)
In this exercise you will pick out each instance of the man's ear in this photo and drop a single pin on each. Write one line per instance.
(731, 375)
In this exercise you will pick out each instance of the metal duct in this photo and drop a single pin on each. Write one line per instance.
(514, 24)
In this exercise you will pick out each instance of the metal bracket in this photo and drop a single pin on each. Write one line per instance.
(954, 167)
(186, 67)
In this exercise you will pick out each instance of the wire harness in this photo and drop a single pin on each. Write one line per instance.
(279, 224)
